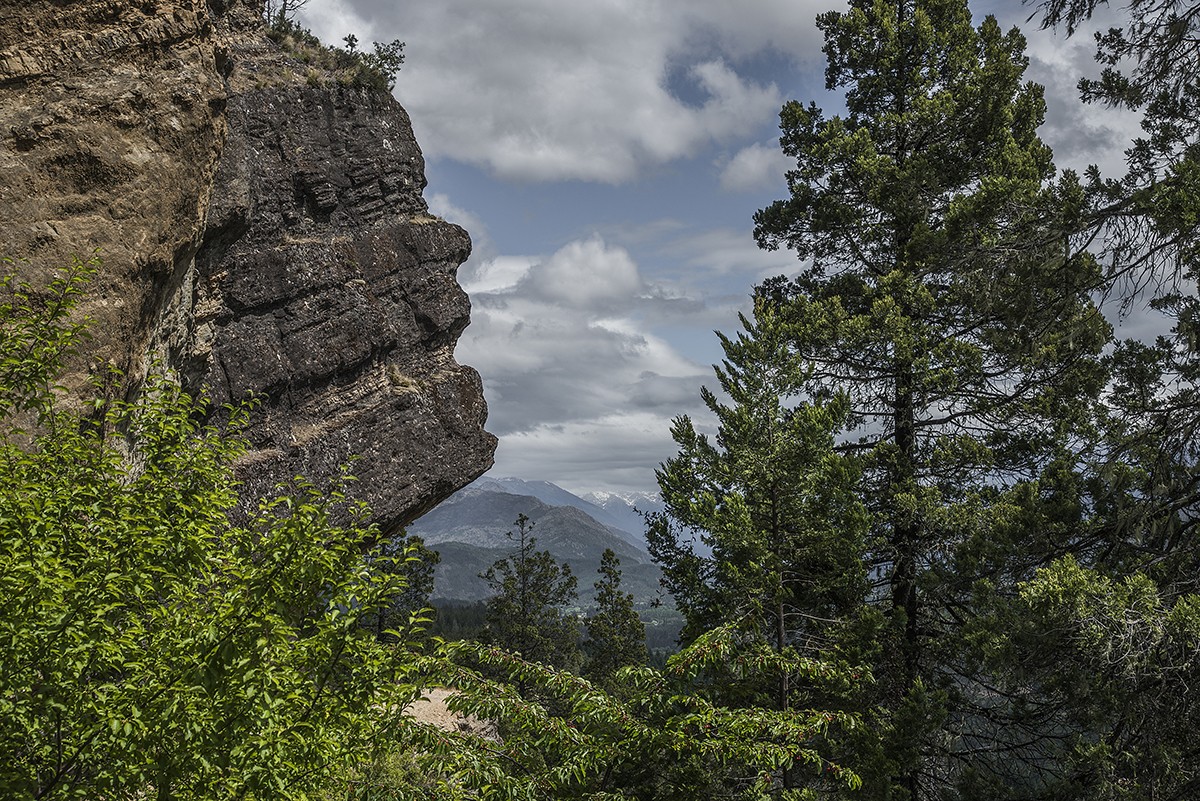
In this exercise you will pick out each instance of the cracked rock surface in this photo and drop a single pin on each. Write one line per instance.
(263, 233)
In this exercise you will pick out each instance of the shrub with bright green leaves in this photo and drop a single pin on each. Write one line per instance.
(151, 646)
(36, 333)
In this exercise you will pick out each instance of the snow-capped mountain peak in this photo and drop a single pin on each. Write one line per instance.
(638, 499)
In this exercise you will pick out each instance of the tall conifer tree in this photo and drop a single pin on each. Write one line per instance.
(936, 299)
(940, 303)
(616, 636)
(781, 529)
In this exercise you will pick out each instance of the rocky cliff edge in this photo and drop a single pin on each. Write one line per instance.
(263, 233)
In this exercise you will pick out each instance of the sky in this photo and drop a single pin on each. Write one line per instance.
(607, 158)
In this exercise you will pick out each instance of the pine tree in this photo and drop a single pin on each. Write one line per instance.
(939, 301)
(616, 636)
(1149, 64)
(770, 500)
(1146, 229)
(526, 613)
(774, 507)
(408, 559)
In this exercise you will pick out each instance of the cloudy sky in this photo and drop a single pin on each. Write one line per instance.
(607, 157)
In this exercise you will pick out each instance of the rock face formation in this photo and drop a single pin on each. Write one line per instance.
(262, 232)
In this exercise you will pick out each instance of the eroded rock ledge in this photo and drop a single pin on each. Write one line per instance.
(263, 233)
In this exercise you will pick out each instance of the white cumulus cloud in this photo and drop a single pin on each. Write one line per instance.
(545, 90)
(759, 166)
(587, 274)
(573, 370)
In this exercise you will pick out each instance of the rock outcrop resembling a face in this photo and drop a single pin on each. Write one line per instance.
(263, 233)
(330, 294)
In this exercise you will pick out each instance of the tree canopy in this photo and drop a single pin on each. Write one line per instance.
(616, 636)
(526, 612)
(1009, 454)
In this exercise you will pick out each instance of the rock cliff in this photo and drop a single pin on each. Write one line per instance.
(262, 231)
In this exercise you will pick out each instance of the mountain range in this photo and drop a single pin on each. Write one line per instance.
(470, 532)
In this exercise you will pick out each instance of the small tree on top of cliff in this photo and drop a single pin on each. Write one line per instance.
(282, 12)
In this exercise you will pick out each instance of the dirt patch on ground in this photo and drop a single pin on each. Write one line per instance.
(431, 708)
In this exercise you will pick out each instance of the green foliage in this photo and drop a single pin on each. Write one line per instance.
(1146, 226)
(660, 738)
(1120, 613)
(526, 612)
(776, 508)
(459, 620)
(771, 499)
(771, 493)
(412, 564)
(151, 646)
(349, 66)
(1117, 661)
(36, 334)
(156, 648)
(383, 62)
(616, 636)
(947, 336)
(948, 302)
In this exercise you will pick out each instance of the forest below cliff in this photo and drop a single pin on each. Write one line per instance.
(948, 518)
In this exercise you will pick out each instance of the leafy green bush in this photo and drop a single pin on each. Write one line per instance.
(151, 646)
(663, 736)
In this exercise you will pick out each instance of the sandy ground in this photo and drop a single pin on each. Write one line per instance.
(431, 708)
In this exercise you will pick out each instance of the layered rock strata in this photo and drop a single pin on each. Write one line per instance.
(263, 233)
